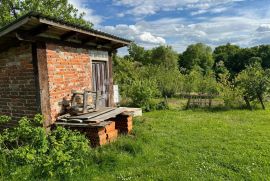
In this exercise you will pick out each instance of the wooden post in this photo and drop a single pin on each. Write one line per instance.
(110, 99)
(43, 84)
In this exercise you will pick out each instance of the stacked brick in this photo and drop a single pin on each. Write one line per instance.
(123, 123)
(101, 135)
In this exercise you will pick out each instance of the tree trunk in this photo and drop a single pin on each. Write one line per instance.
(188, 102)
(247, 103)
(261, 101)
(210, 102)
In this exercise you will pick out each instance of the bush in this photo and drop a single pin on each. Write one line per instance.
(58, 153)
(142, 94)
(230, 94)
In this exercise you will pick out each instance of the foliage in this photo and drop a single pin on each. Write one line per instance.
(4, 119)
(197, 55)
(254, 83)
(125, 72)
(62, 9)
(161, 55)
(236, 59)
(142, 92)
(226, 55)
(228, 91)
(215, 145)
(165, 56)
(200, 83)
(58, 153)
(169, 80)
(139, 54)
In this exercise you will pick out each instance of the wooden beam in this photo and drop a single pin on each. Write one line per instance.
(44, 84)
(111, 98)
(68, 35)
(58, 41)
(14, 26)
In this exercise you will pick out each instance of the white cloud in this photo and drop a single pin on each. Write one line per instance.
(242, 29)
(81, 5)
(150, 7)
(148, 37)
(264, 28)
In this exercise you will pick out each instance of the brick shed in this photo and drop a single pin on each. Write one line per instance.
(43, 59)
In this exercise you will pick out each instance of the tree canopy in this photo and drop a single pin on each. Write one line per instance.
(161, 55)
(199, 55)
(60, 9)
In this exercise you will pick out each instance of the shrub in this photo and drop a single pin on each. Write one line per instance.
(58, 153)
(254, 83)
(230, 94)
(142, 92)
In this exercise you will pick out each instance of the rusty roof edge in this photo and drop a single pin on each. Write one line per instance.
(25, 18)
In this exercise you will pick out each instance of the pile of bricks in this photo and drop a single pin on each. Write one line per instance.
(102, 135)
(123, 123)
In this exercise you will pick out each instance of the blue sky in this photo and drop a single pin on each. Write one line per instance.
(180, 23)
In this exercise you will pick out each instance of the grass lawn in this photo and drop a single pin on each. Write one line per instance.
(187, 145)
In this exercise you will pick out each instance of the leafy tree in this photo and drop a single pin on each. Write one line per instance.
(164, 55)
(264, 54)
(139, 54)
(125, 72)
(197, 55)
(254, 83)
(62, 9)
(227, 55)
(169, 81)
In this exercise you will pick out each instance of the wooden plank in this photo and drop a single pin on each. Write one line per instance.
(72, 124)
(92, 115)
(136, 111)
(108, 115)
(96, 125)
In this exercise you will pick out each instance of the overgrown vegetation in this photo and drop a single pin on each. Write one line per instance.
(172, 145)
(238, 76)
(60, 9)
(28, 149)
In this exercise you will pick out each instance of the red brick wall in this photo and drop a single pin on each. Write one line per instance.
(68, 69)
(17, 82)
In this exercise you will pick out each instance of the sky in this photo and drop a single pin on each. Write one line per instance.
(179, 23)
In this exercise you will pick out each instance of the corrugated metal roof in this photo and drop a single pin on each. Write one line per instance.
(60, 21)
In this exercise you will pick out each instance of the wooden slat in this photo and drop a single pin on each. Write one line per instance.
(92, 115)
(108, 115)
(97, 125)
(72, 124)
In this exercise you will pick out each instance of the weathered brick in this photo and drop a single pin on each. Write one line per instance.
(68, 69)
(17, 82)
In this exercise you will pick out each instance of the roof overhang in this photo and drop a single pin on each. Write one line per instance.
(36, 27)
